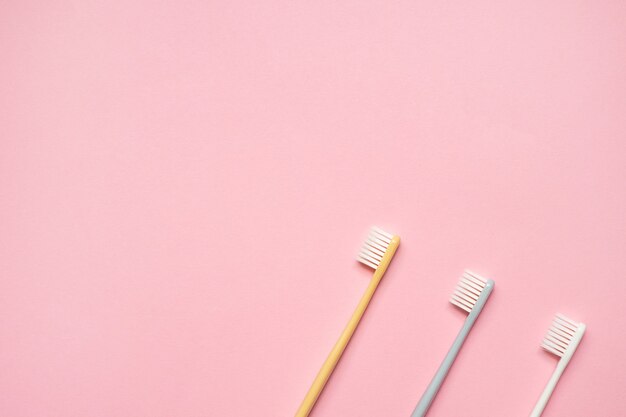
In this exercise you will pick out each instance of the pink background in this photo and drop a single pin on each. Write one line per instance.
(184, 186)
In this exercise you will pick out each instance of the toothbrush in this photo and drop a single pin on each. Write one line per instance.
(470, 295)
(562, 339)
(377, 252)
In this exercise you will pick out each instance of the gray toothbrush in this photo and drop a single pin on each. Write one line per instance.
(471, 294)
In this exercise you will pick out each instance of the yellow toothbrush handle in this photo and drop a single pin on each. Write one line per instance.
(340, 346)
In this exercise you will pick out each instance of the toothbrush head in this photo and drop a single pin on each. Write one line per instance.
(562, 334)
(378, 249)
(469, 289)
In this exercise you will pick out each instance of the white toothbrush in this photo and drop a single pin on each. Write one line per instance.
(471, 294)
(562, 339)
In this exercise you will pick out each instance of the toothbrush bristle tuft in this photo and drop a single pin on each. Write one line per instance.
(468, 290)
(559, 335)
(374, 247)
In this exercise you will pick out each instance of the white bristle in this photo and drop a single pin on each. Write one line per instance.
(374, 247)
(559, 335)
(468, 290)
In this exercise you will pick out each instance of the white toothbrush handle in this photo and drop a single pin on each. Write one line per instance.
(560, 367)
(432, 389)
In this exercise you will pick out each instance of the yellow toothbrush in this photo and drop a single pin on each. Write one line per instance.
(377, 252)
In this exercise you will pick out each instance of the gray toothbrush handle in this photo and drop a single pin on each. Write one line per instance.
(435, 384)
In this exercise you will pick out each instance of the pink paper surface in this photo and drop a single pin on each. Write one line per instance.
(184, 187)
